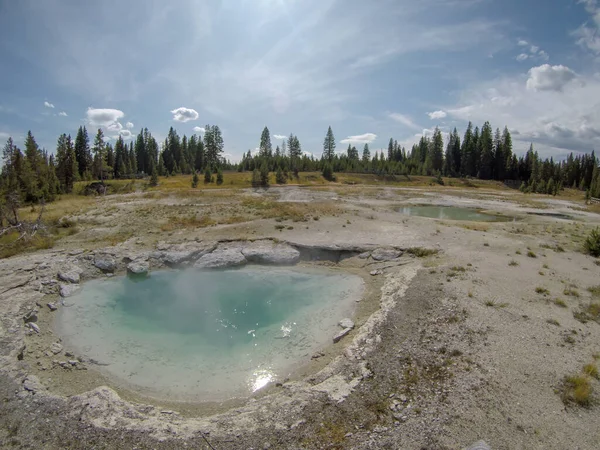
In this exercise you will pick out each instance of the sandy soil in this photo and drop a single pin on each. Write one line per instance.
(462, 349)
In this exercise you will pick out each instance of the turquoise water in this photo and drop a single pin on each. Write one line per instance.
(451, 213)
(194, 335)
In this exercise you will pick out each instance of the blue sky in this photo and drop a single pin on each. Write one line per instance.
(371, 70)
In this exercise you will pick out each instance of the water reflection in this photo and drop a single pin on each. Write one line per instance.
(260, 378)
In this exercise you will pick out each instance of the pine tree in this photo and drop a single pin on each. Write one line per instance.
(219, 177)
(280, 177)
(265, 148)
(437, 151)
(264, 174)
(366, 156)
(82, 153)
(329, 145)
(66, 163)
(467, 150)
(195, 180)
(154, 177)
(207, 176)
(486, 145)
(99, 155)
(256, 181)
(213, 146)
(391, 150)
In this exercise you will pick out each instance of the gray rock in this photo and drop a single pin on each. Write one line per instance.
(34, 327)
(31, 316)
(32, 384)
(338, 336)
(70, 276)
(138, 267)
(52, 306)
(364, 255)
(268, 252)
(105, 263)
(346, 323)
(76, 252)
(220, 259)
(376, 272)
(479, 445)
(67, 290)
(385, 254)
(56, 348)
(176, 255)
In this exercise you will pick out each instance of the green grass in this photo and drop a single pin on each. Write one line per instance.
(531, 254)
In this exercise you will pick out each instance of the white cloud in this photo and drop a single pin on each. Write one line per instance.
(588, 34)
(62, 113)
(129, 125)
(437, 115)
(522, 57)
(543, 55)
(404, 120)
(4, 135)
(48, 105)
(279, 137)
(549, 78)
(522, 43)
(126, 134)
(199, 129)
(534, 49)
(104, 117)
(184, 114)
(366, 138)
(558, 119)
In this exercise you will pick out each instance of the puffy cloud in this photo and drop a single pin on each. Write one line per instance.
(549, 78)
(557, 121)
(126, 134)
(534, 49)
(522, 57)
(404, 120)
(588, 34)
(437, 115)
(279, 137)
(522, 43)
(199, 129)
(366, 138)
(104, 117)
(62, 114)
(543, 55)
(129, 125)
(184, 114)
(48, 105)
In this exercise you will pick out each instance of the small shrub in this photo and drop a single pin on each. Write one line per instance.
(328, 172)
(207, 176)
(280, 177)
(513, 263)
(542, 290)
(490, 303)
(553, 322)
(591, 370)
(195, 180)
(458, 269)
(560, 302)
(219, 177)
(421, 252)
(577, 389)
(570, 292)
(594, 290)
(545, 266)
(531, 254)
(592, 243)
(518, 252)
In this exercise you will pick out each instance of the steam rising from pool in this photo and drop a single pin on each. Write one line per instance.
(200, 336)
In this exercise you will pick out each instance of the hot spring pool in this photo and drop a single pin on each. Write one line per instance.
(206, 335)
(451, 213)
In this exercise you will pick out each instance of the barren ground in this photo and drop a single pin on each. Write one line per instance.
(473, 342)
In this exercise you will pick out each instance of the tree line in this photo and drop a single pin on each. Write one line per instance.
(481, 153)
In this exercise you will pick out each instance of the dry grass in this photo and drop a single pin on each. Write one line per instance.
(179, 223)
(297, 212)
(577, 389)
(594, 290)
(570, 292)
(560, 302)
(542, 290)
